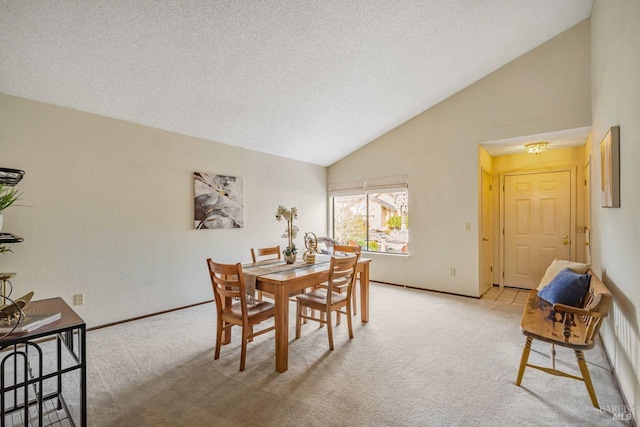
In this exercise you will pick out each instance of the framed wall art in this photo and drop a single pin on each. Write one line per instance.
(610, 168)
(218, 201)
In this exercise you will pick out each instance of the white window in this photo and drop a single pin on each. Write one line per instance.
(373, 213)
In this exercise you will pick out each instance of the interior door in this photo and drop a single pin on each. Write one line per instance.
(537, 225)
(587, 211)
(486, 273)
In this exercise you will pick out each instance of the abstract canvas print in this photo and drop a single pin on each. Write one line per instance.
(218, 201)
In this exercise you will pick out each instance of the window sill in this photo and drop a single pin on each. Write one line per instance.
(384, 253)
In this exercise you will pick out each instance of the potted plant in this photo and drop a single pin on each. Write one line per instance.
(291, 232)
(8, 196)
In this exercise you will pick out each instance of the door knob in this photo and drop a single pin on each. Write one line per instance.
(485, 239)
(564, 236)
(565, 242)
(586, 243)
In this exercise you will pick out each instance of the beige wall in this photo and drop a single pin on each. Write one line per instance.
(558, 159)
(111, 209)
(545, 90)
(615, 59)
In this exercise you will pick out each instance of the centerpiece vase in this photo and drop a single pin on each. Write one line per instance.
(289, 215)
(291, 258)
(290, 252)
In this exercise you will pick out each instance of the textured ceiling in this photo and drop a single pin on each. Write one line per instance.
(308, 80)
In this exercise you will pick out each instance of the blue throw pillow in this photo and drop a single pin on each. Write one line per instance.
(566, 288)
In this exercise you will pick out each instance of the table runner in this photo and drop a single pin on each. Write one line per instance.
(252, 272)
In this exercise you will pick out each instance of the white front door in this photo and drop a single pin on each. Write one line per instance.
(537, 225)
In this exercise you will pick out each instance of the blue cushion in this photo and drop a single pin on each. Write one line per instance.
(566, 288)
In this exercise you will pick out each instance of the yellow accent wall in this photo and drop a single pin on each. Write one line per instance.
(549, 160)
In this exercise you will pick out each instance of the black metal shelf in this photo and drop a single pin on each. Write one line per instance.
(10, 238)
(10, 176)
(28, 392)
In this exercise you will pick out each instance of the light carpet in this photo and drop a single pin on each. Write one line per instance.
(424, 359)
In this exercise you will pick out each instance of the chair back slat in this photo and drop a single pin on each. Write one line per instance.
(227, 281)
(347, 249)
(342, 271)
(599, 296)
(598, 303)
(271, 253)
(227, 290)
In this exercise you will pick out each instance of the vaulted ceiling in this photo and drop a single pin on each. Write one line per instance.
(307, 80)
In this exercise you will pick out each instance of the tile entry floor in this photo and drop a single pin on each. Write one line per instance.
(513, 296)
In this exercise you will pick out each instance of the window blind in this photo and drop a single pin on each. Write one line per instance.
(385, 184)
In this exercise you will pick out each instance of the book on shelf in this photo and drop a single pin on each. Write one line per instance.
(30, 322)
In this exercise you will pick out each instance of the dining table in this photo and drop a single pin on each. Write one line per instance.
(292, 281)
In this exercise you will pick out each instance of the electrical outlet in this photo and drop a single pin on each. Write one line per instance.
(78, 299)
(453, 271)
(467, 227)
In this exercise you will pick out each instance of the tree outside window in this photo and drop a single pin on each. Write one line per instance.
(377, 222)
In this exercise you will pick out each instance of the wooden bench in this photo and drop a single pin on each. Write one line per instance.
(567, 326)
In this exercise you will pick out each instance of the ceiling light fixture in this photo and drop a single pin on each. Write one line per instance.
(536, 147)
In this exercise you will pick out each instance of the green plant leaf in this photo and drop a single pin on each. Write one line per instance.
(8, 196)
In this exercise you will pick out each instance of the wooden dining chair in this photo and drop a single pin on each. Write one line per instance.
(228, 283)
(342, 272)
(355, 250)
(265, 254)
